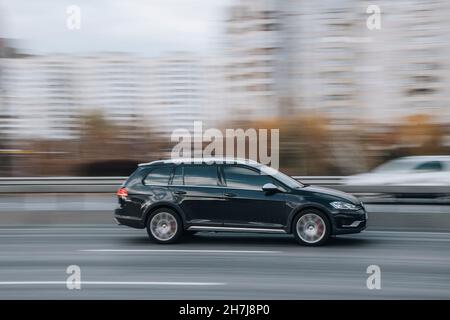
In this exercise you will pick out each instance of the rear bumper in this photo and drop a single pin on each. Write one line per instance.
(128, 221)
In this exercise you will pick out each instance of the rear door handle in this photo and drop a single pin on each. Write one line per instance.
(179, 192)
(229, 194)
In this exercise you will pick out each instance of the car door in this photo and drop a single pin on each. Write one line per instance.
(427, 173)
(198, 191)
(247, 205)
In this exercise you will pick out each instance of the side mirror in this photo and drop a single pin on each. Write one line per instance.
(270, 187)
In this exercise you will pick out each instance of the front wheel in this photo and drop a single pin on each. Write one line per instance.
(311, 228)
(164, 226)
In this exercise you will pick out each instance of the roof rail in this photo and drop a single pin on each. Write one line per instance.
(201, 160)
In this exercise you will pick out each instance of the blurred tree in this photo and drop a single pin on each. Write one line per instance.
(97, 137)
(304, 143)
(102, 148)
(419, 134)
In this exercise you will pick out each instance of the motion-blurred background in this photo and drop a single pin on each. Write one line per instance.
(360, 93)
(97, 100)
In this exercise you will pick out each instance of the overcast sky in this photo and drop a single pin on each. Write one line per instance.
(147, 27)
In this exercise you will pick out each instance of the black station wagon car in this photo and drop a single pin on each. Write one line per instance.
(172, 197)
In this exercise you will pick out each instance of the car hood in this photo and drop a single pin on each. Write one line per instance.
(332, 192)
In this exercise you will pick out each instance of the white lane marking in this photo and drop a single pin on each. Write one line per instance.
(50, 228)
(77, 235)
(179, 251)
(132, 283)
(400, 232)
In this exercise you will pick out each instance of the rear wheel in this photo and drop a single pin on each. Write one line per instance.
(164, 226)
(311, 228)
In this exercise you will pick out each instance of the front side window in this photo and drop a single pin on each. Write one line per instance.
(244, 178)
(158, 176)
(200, 175)
(429, 166)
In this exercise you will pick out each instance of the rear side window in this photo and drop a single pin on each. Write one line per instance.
(158, 176)
(200, 175)
(134, 178)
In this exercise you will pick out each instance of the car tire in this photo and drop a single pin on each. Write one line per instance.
(311, 227)
(164, 226)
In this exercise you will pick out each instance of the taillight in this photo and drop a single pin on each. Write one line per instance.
(122, 193)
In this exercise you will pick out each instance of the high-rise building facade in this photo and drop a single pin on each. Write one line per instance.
(321, 56)
(408, 71)
(45, 96)
(252, 46)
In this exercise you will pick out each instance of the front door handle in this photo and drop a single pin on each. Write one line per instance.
(179, 192)
(229, 194)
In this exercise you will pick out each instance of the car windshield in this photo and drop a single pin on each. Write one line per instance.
(285, 179)
(396, 166)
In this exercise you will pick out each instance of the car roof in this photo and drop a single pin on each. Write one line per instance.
(210, 160)
(425, 158)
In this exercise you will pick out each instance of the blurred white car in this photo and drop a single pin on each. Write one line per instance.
(416, 170)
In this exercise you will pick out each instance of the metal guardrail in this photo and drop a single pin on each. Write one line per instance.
(110, 184)
(321, 180)
(60, 184)
(36, 200)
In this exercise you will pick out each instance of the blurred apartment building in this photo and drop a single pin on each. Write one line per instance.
(408, 70)
(279, 58)
(251, 40)
(287, 57)
(45, 96)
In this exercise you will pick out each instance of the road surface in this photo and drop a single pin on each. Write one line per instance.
(121, 263)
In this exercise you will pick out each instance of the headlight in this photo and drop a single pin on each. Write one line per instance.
(343, 205)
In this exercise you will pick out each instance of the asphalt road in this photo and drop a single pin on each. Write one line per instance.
(121, 263)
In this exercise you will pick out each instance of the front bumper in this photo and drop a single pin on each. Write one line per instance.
(346, 222)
